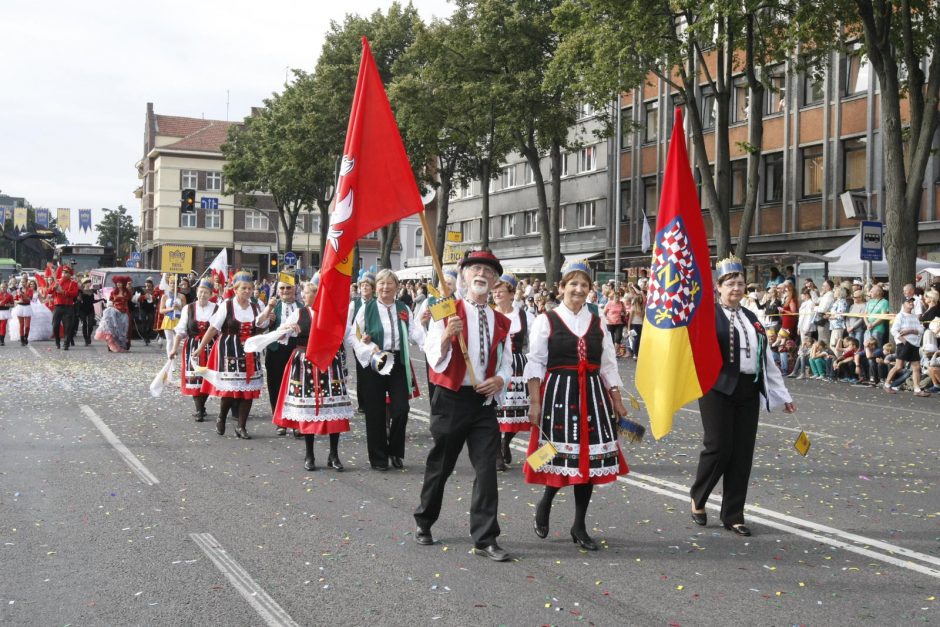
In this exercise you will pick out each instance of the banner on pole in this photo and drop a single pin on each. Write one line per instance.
(176, 259)
(64, 219)
(42, 218)
(84, 219)
(19, 218)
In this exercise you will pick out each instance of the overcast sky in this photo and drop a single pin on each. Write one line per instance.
(76, 78)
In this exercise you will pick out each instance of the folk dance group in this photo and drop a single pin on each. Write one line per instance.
(492, 372)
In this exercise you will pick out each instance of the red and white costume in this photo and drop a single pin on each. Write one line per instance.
(233, 373)
(193, 324)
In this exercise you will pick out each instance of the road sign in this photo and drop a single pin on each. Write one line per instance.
(135, 255)
(130, 263)
(290, 258)
(871, 241)
(209, 203)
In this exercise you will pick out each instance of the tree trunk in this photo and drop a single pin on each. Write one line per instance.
(529, 149)
(443, 210)
(755, 142)
(553, 264)
(387, 235)
(485, 203)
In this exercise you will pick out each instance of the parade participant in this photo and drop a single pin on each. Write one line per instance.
(170, 306)
(146, 302)
(114, 321)
(233, 375)
(64, 291)
(513, 413)
(730, 410)
(311, 401)
(366, 293)
(463, 409)
(386, 325)
(6, 304)
(281, 305)
(185, 291)
(192, 326)
(86, 310)
(575, 398)
(23, 310)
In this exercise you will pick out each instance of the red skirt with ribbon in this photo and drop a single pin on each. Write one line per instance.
(232, 372)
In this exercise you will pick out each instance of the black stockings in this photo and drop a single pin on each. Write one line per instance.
(241, 407)
(582, 498)
(334, 445)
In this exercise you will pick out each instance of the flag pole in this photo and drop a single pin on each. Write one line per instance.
(445, 289)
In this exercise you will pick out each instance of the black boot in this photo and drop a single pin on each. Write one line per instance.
(310, 462)
(333, 460)
(244, 407)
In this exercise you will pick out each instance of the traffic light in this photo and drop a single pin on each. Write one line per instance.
(272, 263)
(188, 201)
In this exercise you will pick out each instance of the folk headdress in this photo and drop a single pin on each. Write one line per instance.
(206, 283)
(242, 275)
(510, 279)
(576, 265)
(729, 265)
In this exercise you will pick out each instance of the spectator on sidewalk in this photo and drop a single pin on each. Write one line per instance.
(906, 331)
(820, 360)
(876, 306)
(823, 306)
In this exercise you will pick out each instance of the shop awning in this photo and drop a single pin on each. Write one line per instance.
(417, 272)
(524, 265)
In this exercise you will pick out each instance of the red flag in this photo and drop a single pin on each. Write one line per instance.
(679, 326)
(376, 187)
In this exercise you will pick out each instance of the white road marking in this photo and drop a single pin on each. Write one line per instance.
(33, 350)
(776, 520)
(136, 465)
(895, 410)
(266, 607)
(770, 425)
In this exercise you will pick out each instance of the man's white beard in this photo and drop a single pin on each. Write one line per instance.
(478, 288)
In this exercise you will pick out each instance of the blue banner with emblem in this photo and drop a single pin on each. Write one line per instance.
(42, 218)
(84, 219)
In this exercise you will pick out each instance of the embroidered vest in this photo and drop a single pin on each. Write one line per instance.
(452, 377)
(192, 326)
(232, 326)
(373, 323)
(731, 369)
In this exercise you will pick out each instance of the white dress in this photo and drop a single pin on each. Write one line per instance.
(40, 326)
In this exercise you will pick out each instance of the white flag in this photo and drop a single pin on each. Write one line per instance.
(645, 243)
(220, 262)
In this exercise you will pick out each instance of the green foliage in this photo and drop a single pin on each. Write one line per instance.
(108, 228)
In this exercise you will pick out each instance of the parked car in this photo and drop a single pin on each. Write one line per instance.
(102, 285)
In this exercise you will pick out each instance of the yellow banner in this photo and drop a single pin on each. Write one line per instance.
(452, 254)
(454, 236)
(64, 219)
(177, 259)
(19, 218)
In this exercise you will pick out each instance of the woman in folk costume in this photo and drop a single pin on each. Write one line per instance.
(366, 293)
(513, 413)
(114, 322)
(233, 375)
(281, 304)
(730, 410)
(311, 401)
(7, 303)
(574, 390)
(192, 326)
(386, 325)
(170, 306)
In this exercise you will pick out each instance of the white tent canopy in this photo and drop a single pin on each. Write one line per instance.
(849, 263)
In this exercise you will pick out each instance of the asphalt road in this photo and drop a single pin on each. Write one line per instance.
(118, 509)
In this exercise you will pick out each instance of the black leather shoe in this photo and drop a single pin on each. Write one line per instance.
(500, 464)
(396, 462)
(309, 463)
(241, 434)
(379, 468)
(298, 434)
(493, 551)
(66, 347)
(220, 426)
(281, 431)
(423, 536)
(333, 462)
(739, 528)
(507, 453)
(582, 538)
(200, 416)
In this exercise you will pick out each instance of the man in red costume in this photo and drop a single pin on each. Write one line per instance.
(463, 409)
(64, 293)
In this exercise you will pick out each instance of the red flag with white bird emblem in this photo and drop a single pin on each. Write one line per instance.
(376, 187)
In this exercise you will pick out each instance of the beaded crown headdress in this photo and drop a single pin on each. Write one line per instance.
(729, 265)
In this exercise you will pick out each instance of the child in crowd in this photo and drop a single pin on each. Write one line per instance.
(845, 367)
(802, 358)
(875, 358)
(820, 360)
(782, 347)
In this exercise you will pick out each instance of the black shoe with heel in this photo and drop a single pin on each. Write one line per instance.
(580, 537)
(220, 425)
(699, 518)
(333, 462)
(541, 521)
(241, 433)
(738, 528)
(310, 463)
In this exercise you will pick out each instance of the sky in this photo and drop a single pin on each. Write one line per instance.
(76, 78)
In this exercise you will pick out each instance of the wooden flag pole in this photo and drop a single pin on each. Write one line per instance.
(445, 290)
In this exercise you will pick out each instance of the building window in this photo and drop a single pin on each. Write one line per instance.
(530, 220)
(813, 171)
(189, 178)
(372, 235)
(587, 159)
(213, 181)
(419, 243)
(709, 108)
(813, 88)
(626, 200)
(855, 70)
(855, 171)
(650, 200)
(188, 220)
(465, 190)
(562, 223)
(453, 193)
(585, 213)
(213, 218)
(469, 231)
(740, 100)
(651, 121)
(585, 110)
(564, 164)
(738, 182)
(507, 225)
(626, 128)
(773, 177)
(508, 177)
(528, 174)
(256, 221)
(775, 96)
